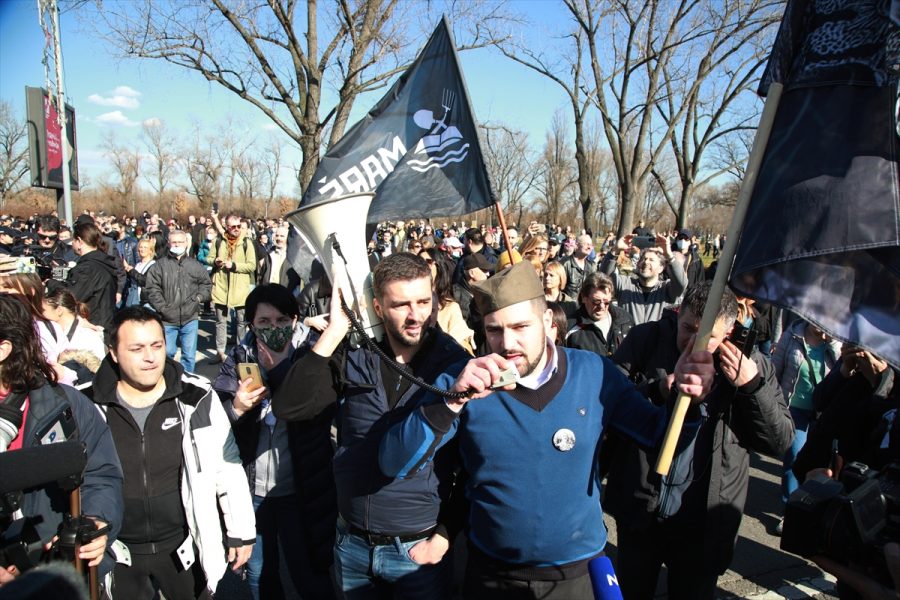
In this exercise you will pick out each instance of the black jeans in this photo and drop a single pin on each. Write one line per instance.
(642, 553)
(483, 582)
(136, 582)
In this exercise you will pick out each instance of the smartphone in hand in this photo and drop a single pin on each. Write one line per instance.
(250, 371)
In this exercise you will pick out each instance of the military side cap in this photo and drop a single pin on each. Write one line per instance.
(518, 283)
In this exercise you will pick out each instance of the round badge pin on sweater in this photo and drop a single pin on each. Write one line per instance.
(564, 440)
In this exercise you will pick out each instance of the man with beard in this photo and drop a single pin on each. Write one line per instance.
(530, 447)
(645, 294)
(598, 325)
(389, 541)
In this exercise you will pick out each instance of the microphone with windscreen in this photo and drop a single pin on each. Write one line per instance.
(40, 465)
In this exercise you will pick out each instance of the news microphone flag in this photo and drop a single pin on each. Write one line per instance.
(417, 149)
(822, 232)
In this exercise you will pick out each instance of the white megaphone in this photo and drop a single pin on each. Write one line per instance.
(342, 221)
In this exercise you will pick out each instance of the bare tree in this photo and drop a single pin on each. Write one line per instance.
(564, 67)
(719, 69)
(13, 151)
(558, 173)
(126, 164)
(161, 145)
(635, 47)
(512, 166)
(272, 167)
(253, 50)
(203, 163)
(250, 172)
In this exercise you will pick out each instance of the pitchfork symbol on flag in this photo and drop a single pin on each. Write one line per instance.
(417, 149)
(822, 232)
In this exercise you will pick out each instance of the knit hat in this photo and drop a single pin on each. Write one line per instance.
(503, 261)
(510, 286)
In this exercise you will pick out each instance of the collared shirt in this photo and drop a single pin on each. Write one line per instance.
(535, 380)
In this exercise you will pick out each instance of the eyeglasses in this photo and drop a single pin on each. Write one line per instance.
(48, 236)
(542, 249)
(236, 226)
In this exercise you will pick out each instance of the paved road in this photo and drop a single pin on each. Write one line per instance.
(760, 569)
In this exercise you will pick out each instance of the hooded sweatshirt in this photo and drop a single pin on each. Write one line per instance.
(93, 281)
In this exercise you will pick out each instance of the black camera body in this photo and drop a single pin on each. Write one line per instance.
(847, 519)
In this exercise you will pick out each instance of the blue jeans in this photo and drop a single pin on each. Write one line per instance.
(802, 421)
(280, 535)
(364, 571)
(184, 337)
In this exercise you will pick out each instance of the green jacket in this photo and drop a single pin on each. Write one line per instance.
(231, 286)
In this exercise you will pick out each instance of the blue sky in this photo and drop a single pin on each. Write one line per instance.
(118, 95)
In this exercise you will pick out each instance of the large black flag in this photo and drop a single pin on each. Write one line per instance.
(417, 149)
(822, 233)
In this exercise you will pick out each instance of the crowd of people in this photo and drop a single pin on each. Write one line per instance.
(521, 388)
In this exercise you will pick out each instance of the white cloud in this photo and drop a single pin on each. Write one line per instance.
(115, 119)
(121, 97)
(152, 122)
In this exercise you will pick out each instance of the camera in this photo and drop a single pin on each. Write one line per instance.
(851, 518)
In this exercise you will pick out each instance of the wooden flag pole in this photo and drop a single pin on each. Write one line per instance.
(502, 221)
(726, 258)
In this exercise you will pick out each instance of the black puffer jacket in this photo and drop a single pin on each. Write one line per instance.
(736, 421)
(585, 335)
(93, 280)
(176, 288)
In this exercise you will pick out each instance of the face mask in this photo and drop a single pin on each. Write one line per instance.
(177, 250)
(275, 338)
(211, 237)
(682, 244)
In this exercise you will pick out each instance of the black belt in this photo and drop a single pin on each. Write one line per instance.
(382, 539)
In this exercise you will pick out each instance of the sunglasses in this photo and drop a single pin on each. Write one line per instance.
(45, 236)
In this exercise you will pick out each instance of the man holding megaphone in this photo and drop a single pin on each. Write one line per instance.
(389, 538)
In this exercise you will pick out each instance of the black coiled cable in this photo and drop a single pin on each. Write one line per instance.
(393, 364)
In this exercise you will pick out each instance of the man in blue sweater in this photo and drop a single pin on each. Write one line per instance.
(530, 447)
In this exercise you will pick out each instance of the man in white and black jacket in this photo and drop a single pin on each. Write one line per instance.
(176, 503)
(689, 520)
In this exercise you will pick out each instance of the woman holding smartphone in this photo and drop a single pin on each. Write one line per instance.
(288, 464)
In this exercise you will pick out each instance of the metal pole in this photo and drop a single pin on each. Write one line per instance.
(61, 110)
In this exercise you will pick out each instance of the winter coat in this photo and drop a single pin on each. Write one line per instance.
(213, 489)
(309, 443)
(583, 333)
(101, 487)
(790, 354)
(93, 281)
(736, 421)
(231, 286)
(175, 288)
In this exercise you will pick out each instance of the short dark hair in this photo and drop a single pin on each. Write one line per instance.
(474, 235)
(139, 314)
(596, 281)
(271, 293)
(695, 298)
(25, 367)
(48, 223)
(401, 266)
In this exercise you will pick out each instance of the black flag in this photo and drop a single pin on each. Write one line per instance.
(417, 149)
(822, 232)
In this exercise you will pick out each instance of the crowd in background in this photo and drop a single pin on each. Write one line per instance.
(786, 386)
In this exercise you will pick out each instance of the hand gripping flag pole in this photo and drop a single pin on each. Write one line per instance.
(711, 310)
